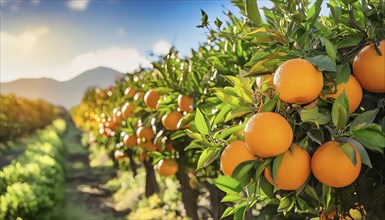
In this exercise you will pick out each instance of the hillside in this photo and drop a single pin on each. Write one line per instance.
(67, 93)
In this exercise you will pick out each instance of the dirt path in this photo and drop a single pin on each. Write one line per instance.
(85, 199)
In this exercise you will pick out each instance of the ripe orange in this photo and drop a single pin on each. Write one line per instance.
(139, 96)
(332, 167)
(130, 92)
(293, 171)
(167, 167)
(129, 140)
(143, 156)
(369, 68)
(298, 81)
(151, 98)
(185, 103)
(128, 109)
(145, 136)
(353, 91)
(170, 121)
(268, 134)
(234, 154)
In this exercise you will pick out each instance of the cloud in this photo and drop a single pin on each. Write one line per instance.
(161, 47)
(78, 5)
(121, 59)
(23, 43)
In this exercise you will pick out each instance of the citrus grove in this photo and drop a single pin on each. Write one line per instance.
(280, 117)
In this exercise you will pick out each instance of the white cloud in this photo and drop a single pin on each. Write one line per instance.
(30, 54)
(121, 59)
(2, 2)
(161, 47)
(79, 5)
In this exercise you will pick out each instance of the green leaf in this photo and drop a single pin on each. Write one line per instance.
(364, 119)
(227, 212)
(244, 171)
(228, 97)
(237, 112)
(218, 23)
(271, 104)
(193, 135)
(196, 144)
(207, 157)
(228, 184)
(311, 192)
(240, 211)
(220, 117)
(276, 164)
(371, 138)
(340, 111)
(314, 138)
(365, 159)
(314, 12)
(222, 134)
(331, 50)
(350, 153)
(284, 204)
(326, 195)
(323, 62)
(202, 123)
(266, 187)
(313, 115)
(231, 198)
(204, 19)
(252, 12)
(343, 73)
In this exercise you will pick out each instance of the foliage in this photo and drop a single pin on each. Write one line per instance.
(220, 75)
(32, 184)
(20, 116)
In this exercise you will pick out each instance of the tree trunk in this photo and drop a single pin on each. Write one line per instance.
(216, 195)
(133, 165)
(151, 183)
(189, 195)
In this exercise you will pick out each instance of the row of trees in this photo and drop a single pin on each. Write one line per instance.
(20, 116)
(248, 116)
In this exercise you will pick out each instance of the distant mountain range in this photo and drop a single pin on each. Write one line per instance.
(67, 93)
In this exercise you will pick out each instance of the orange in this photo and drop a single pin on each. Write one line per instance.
(369, 68)
(143, 156)
(130, 92)
(128, 110)
(170, 121)
(129, 140)
(145, 136)
(298, 81)
(185, 103)
(234, 154)
(167, 167)
(120, 154)
(264, 80)
(332, 167)
(268, 134)
(151, 98)
(353, 91)
(293, 171)
(139, 96)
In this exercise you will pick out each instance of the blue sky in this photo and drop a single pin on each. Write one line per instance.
(62, 38)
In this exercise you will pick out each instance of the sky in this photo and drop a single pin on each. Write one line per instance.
(62, 38)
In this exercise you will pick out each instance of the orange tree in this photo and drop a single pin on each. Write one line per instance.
(20, 116)
(277, 105)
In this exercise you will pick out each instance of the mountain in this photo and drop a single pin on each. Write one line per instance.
(67, 93)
